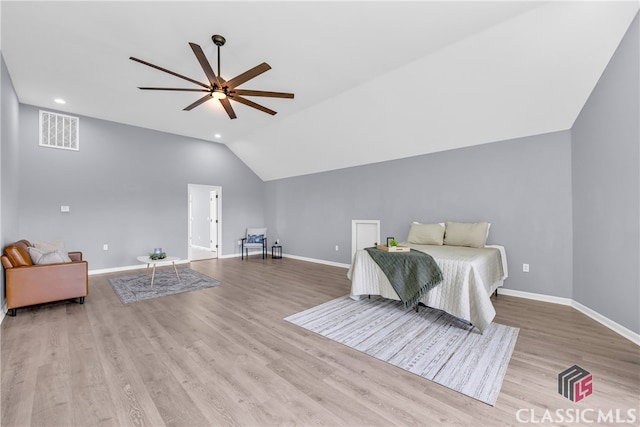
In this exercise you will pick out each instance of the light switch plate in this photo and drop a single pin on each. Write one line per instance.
(64, 208)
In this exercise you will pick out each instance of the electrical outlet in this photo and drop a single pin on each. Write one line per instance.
(337, 248)
(105, 247)
(525, 268)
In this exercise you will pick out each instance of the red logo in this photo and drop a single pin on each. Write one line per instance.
(575, 383)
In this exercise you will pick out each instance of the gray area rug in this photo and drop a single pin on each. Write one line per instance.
(137, 287)
(430, 343)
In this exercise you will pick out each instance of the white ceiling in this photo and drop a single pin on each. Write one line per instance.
(373, 81)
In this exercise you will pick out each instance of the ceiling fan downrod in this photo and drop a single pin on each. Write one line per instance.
(218, 40)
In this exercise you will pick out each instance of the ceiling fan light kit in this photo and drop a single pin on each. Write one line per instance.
(218, 94)
(219, 88)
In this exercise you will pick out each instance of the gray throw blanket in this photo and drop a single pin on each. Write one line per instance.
(411, 274)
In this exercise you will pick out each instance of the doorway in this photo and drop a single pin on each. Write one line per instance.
(204, 219)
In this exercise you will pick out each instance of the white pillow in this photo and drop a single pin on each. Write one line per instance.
(49, 246)
(38, 256)
(426, 234)
(466, 234)
(416, 222)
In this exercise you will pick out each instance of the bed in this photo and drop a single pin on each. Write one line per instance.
(470, 276)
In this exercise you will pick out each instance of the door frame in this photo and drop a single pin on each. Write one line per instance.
(218, 225)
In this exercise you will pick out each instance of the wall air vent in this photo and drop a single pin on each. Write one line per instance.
(59, 131)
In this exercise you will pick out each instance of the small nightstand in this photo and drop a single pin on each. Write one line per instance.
(276, 251)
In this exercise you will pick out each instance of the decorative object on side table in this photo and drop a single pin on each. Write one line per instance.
(157, 254)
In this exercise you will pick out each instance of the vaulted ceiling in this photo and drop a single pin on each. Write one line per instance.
(373, 81)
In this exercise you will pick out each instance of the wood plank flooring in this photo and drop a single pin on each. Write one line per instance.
(224, 356)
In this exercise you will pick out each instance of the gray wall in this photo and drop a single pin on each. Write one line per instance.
(522, 186)
(128, 187)
(606, 190)
(9, 108)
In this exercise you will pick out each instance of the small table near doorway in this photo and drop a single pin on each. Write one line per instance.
(276, 251)
(170, 259)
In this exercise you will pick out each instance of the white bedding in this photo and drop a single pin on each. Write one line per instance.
(470, 276)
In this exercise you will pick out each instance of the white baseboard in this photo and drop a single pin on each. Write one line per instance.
(534, 296)
(4, 312)
(314, 260)
(605, 321)
(317, 261)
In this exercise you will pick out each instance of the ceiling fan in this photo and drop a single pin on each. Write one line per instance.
(219, 88)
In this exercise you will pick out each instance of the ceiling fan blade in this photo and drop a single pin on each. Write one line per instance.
(247, 92)
(198, 102)
(174, 88)
(244, 101)
(168, 71)
(228, 108)
(248, 75)
(206, 66)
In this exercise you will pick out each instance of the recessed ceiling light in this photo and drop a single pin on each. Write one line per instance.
(60, 101)
(217, 135)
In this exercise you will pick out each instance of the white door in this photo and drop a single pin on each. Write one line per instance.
(364, 234)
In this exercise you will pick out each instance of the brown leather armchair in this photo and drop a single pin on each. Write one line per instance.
(29, 284)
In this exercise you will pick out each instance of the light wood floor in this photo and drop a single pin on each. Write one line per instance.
(224, 356)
